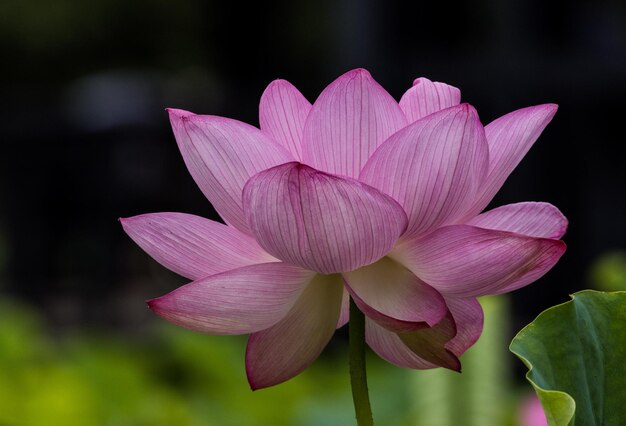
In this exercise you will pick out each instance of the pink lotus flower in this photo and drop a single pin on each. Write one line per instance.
(354, 196)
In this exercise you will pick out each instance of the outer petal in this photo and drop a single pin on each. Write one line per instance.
(432, 167)
(244, 300)
(468, 316)
(427, 97)
(282, 113)
(394, 297)
(348, 121)
(466, 261)
(421, 349)
(390, 347)
(344, 315)
(530, 218)
(318, 221)
(510, 137)
(221, 155)
(192, 246)
(469, 319)
(287, 348)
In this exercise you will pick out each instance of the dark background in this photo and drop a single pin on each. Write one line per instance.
(85, 139)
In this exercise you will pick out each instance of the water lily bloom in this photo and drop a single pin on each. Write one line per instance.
(356, 196)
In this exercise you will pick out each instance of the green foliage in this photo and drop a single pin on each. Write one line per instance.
(169, 376)
(575, 354)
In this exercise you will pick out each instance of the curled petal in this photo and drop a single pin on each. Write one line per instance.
(282, 114)
(348, 121)
(531, 219)
(344, 315)
(431, 343)
(468, 317)
(510, 137)
(390, 347)
(221, 155)
(466, 261)
(420, 349)
(318, 221)
(427, 97)
(192, 246)
(394, 297)
(432, 167)
(241, 301)
(290, 346)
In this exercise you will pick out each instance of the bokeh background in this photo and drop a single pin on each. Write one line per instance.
(85, 140)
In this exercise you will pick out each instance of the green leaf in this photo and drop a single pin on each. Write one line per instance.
(576, 356)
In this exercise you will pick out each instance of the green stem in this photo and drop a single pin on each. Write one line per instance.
(358, 375)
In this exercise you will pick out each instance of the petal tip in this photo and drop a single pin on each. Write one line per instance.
(453, 362)
(178, 113)
(277, 85)
(253, 381)
(152, 303)
(129, 223)
(125, 222)
(358, 72)
(254, 385)
(158, 305)
(279, 82)
(420, 80)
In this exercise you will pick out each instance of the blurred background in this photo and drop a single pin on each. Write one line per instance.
(85, 140)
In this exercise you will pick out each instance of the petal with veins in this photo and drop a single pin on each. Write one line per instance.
(344, 315)
(221, 155)
(432, 167)
(509, 138)
(318, 221)
(531, 219)
(420, 349)
(348, 121)
(427, 97)
(241, 301)
(282, 114)
(287, 348)
(192, 246)
(466, 261)
(394, 297)
(468, 317)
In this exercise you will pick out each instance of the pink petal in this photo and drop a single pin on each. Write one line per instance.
(241, 301)
(468, 317)
(427, 97)
(466, 261)
(432, 167)
(531, 219)
(421, 349)
(192, 246)
(287, 348)
(221, 155)
(391, 295)
(510, 137)
(282, 113)
(344, 315)
(348, 121)
(389, 347)
(318, 221)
